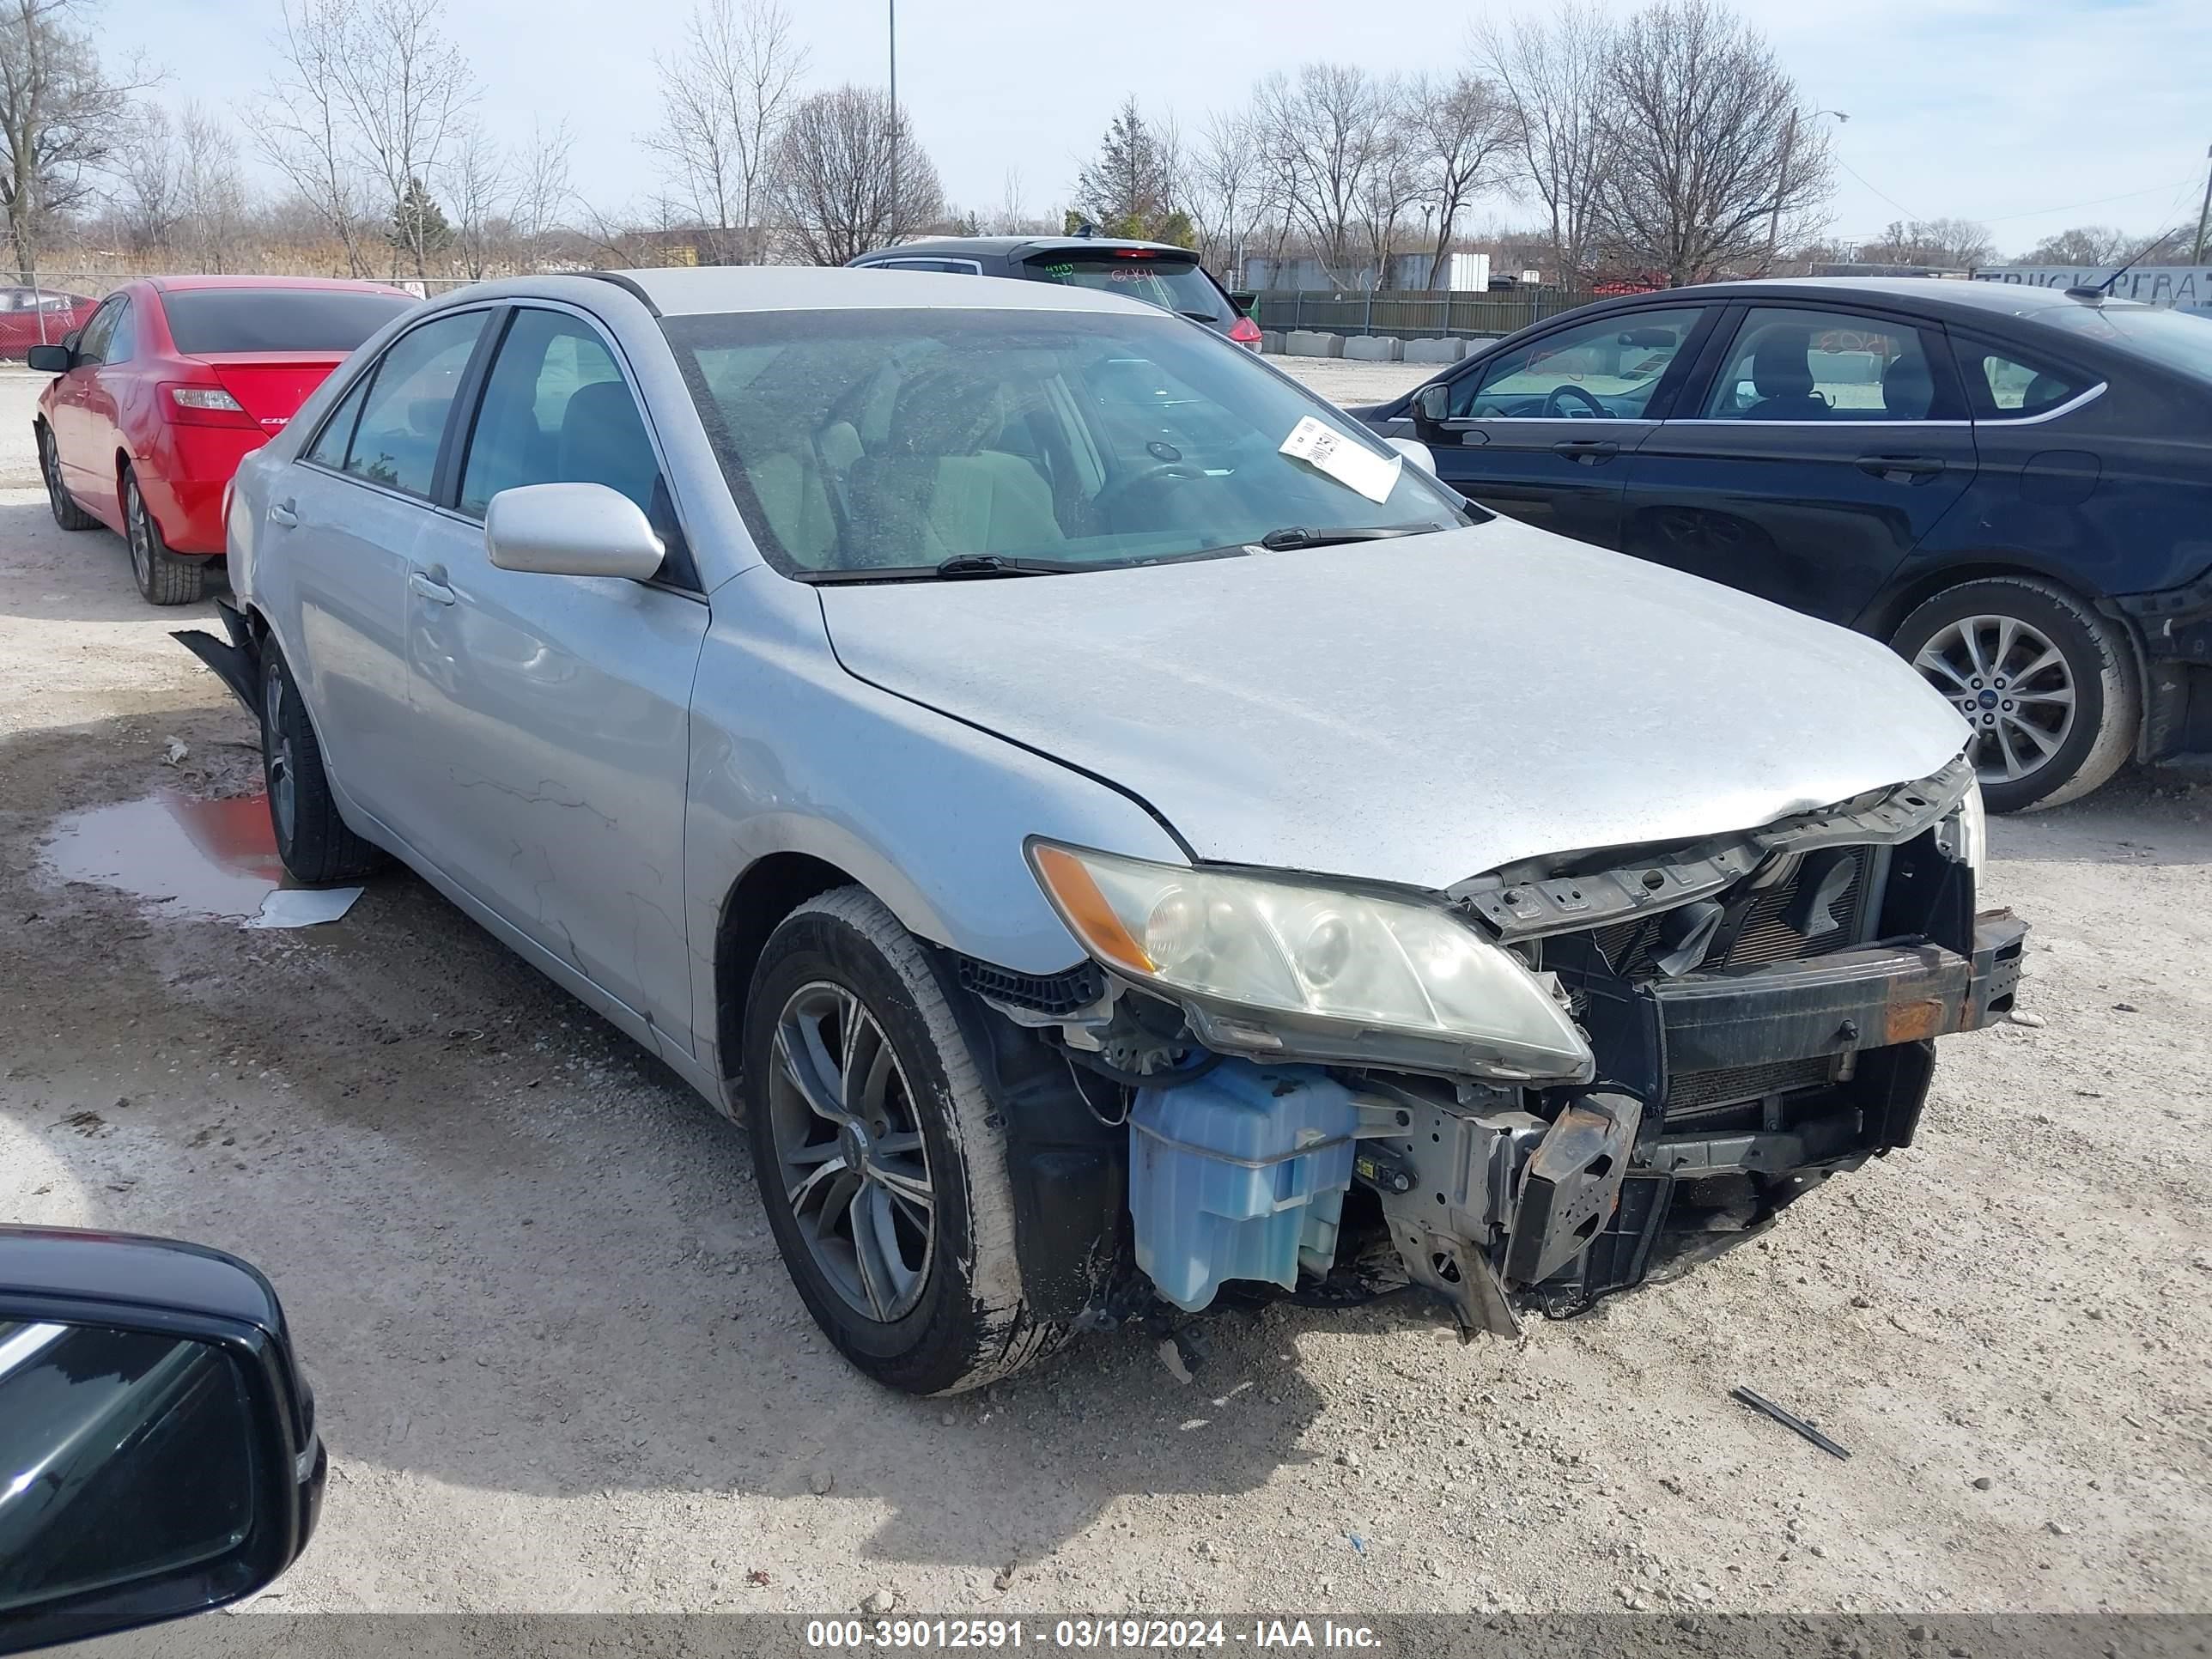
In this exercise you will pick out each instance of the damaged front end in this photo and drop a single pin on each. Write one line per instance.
(1568, 1077)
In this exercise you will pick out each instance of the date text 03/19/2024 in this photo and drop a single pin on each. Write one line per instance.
(1126, 1635)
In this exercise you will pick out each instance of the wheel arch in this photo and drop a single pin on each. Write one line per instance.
(766, 891)
(1887, 612)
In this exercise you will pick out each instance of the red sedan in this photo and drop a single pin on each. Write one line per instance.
(158, 397)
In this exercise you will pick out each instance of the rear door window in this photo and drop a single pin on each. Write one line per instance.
(2006, 387)
(329, 448)
(1171, 283)
(1787, 364)
(219, 319)
(92, 345)
(402, 419)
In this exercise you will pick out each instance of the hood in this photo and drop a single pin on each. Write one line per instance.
(1415, 711)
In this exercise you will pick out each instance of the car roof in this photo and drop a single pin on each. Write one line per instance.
(342, 284)
(1985, 296)
(1014, 247)
(694, 290)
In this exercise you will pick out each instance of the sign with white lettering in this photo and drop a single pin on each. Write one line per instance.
(2185, 288)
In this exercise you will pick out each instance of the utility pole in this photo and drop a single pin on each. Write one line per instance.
(891, 226)
(2203, 215)
(1782, 184)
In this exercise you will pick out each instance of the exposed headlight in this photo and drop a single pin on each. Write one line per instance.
(1286, 948)
(1970, 831)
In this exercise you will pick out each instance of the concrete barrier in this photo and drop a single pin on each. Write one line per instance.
(1374, 349)
(1271, 341)
(1305, 343)
(1446, 350)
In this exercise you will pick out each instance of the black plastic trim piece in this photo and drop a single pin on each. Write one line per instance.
(629, 284)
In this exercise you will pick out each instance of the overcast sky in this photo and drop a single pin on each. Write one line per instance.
(2025, 114)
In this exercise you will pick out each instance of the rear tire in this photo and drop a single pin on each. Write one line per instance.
(165, 578)
(311, 839)
(883, 1169)
(67, 513)
(2049, 686)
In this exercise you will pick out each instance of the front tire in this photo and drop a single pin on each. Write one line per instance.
(2049, 686)
(311, 839)
(67, 513)
(880, 1163)
(165, 578)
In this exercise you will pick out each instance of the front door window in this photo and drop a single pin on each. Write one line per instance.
(1605, 370)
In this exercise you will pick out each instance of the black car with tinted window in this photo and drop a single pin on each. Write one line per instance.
(1157, 273)
(2013, 485)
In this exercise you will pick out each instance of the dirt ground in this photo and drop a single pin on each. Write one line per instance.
(560, 1367)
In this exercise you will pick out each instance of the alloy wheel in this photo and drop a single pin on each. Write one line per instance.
(139, 532)
(850, 1153)
(282, 790)
(2012, 684)
(49, 467)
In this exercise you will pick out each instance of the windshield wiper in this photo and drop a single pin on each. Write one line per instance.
(959, 566)
(1295, 536)
(997, 564)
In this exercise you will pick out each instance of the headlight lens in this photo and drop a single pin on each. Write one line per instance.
(1973, 830)
(1283, 947)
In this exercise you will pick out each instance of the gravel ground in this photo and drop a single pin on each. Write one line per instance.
(19, 401)
(562, 1368)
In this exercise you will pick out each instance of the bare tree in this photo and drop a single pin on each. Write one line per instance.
(1464, 128)
(405, 89)
(1226, 188)
(60, 119)
(1556, 78)
(477, 188)
(1395, 181)
(2088, 246)
(304, 127)
(834, 187)
(725, 94)
(543, 190)
(212, 199)
(1711, 158)
(148, 185)
(1324, 131)
(1941, 244)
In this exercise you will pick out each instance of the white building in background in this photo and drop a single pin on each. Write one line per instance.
(2184, 288)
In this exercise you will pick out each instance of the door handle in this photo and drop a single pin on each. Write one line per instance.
(437, 592)
(1899, 469)
(1589, 451)
(285, 513)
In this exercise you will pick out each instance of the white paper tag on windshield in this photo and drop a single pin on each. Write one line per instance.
(1352, 465)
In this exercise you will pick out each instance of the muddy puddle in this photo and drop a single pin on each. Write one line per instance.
(190, 857)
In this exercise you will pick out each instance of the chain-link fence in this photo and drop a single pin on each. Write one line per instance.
(1409, 312)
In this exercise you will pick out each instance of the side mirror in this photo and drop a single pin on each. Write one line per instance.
(1432, 404)
(1416, 451)
(158, 1453)
(49, 359)
(571, 530)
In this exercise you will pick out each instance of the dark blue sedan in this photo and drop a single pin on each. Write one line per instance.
(2013, 485)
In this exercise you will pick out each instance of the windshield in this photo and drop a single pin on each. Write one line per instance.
(1168, 282)
(205, 319)
(2175, 338)
(891, 441)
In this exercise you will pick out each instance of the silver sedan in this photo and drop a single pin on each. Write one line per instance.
(1111, 828)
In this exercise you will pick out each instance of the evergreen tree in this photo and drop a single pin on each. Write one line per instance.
(418, 226)
(1130, 188)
